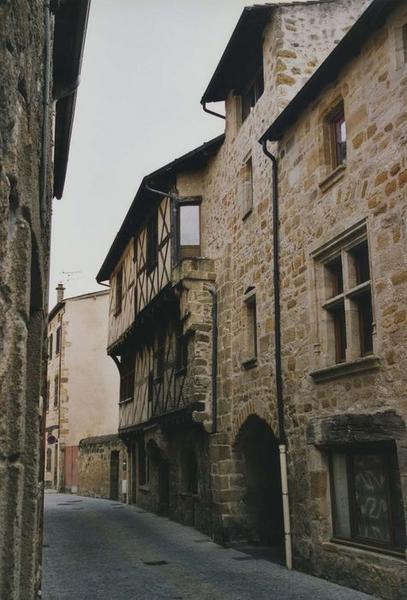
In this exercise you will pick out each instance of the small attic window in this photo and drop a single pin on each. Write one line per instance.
(252, 93)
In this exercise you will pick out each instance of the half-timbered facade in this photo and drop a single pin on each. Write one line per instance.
(161, 338)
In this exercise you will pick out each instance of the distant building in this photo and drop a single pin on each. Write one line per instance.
(41, 47)
(82, 387)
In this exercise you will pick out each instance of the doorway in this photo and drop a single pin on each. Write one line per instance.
(260, 507)
(114, 474)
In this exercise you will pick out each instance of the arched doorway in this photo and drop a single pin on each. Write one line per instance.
(260, 507)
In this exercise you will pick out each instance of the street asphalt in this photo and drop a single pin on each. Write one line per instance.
(103, 550)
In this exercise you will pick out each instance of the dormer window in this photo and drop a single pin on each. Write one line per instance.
(252, 93)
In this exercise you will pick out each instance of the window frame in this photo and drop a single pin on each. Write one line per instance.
(326, 302)
(127, 379)
(246, 181)
(250, 343)
(333, 121)
(388, 453)
(187, 251)
(118, 305)
(251, 94)
(58, 340)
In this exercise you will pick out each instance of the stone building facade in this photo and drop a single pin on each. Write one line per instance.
(343, 242)
(82, 386)
(255, 415)
(38, 77)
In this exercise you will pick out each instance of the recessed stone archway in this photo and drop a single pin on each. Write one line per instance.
(258, 512)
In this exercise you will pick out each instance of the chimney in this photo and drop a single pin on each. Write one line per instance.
(60, 292)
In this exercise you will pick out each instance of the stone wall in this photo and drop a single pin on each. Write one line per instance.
(24, 251)
(98, 456)
(316, 210)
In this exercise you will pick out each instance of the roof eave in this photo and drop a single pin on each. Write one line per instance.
(349, 47)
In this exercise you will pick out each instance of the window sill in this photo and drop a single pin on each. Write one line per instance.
(333, 177)
(144, 488)
(249, 363)
(337, 545)
(365, 363)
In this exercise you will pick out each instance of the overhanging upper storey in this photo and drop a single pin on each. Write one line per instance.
(243, 56)
(71, 19)
(160, 230)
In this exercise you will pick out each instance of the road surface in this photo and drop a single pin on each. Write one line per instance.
(103, 550)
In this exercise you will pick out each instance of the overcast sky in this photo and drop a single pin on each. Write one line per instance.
(145, 68)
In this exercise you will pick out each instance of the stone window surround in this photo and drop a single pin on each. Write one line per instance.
(323, 434)
(249, 350)
(246, 186)
(324, 371)
(331, 171)
(400, 44)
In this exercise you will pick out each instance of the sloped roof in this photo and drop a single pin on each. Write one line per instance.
(193, 160)
(371, 19)
(243, 53)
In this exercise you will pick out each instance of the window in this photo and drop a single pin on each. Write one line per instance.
(252, 93)
(119, 292)
(49, 458)
(127, 378)
(56, 390)
(152, 242)
(348, 301)
(50, 341)
(337, 136)
(366, 496)
(246, 188)
(143, 465)
(250, 349)
(189, 229)
(58, 340)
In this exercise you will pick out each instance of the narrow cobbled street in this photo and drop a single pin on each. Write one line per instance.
(104, 550)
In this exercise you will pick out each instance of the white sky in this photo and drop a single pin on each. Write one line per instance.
(145, 68)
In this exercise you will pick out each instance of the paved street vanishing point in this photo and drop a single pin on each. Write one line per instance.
(103, 550)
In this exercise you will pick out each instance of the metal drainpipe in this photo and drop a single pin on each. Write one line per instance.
(277, 354)
(214, 366)
(212, 112)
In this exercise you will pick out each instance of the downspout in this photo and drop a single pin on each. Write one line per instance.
(277, 354)
(212, 112)
(214, 365)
